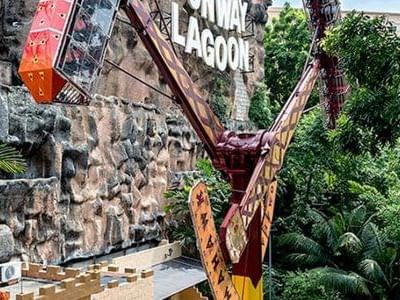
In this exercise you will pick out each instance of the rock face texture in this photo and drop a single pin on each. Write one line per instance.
(6, 242)
(96, 175)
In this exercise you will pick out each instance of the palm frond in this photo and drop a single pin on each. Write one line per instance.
(303, 245)
(338, 222)
(346, 283)
(357, 218)
(373, 271)
(308, 260)
(373, 246)
(393, 257)
(350, 243)
(11, 161)
(317, 216)
(323, 228)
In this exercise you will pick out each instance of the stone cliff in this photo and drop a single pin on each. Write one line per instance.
(96, 175)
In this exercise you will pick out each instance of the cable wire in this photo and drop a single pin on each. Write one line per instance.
(126, 72)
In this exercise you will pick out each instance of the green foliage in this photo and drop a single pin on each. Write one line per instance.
(273, 287)
(218, 101)
(316, 173)
(11, 161)
(260, 108)
(349, 252)
(378, 186)
(178, 196)
(286, 43)
(369, 50)
(307, 286)
(372, 41)
(338, 202)
(348, 283)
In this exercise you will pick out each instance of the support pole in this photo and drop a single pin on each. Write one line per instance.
(247, 274)
(270, 265)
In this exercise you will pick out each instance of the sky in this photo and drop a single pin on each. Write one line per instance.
(366, 5)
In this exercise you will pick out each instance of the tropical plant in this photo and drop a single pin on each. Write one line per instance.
(260, 108)
(11, 161)
(273, 282)
(178, 208)
(316, 174)
(378, 187)
(286, 43)
(349, 252)
(307, 286)
(369, 49)
(354, 170)
(218, 101)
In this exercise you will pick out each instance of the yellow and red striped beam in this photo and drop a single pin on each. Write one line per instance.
(208, 243)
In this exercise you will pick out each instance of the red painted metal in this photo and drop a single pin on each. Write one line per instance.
(274, 145)
(333, 86)
(64, 52)
(37, 68)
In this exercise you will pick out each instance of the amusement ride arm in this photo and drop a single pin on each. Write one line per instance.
(262, 187)
(204, 121)
(247, 224)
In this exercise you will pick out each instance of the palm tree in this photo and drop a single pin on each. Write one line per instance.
(349, 252)
(177, 207)
(11, 161)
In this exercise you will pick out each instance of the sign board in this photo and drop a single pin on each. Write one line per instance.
(228, 49)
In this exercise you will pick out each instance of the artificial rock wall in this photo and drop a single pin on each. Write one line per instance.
(96, 175)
